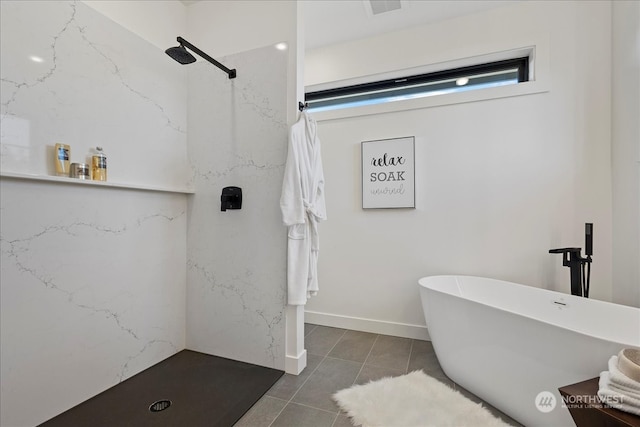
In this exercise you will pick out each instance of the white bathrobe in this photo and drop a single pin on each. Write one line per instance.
(303, 206)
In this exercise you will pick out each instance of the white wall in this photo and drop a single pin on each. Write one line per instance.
(498, 182)
(224, 27)
(158, 22)
(626, 153)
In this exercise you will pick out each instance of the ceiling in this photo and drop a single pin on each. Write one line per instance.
(333, 21)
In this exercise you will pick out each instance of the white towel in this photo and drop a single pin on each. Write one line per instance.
(620, 381)
(619, 391)
(615, 399)
(605, 378)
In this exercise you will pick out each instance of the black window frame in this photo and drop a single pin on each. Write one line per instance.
(520, 63)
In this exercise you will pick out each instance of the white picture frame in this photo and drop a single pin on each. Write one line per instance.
(388, 173)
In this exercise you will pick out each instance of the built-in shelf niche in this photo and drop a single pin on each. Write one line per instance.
(75, 181)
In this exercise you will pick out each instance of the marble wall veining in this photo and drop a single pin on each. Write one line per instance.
(92, 279)
(71, 75)
(236, 271)
(92, 284)
(99, 283)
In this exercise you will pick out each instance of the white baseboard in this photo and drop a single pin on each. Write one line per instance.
(295, 364)
(368, 325)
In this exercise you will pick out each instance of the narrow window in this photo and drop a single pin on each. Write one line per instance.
(500, 73)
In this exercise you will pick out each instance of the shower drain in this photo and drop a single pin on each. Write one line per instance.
(160, 405)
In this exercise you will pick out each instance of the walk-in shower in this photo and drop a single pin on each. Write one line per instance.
(182, 55)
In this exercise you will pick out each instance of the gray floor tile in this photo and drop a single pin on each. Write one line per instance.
(262, 413)
(313, 388)
(468, 394)
(322, 339)
(289, 384)
(390, 352)
(504, 417)
(342, 421)
(303, 416)
(332, 375)
(373, 373)
(308, 328)
(442, 378)
(354, 346)
(424, 357)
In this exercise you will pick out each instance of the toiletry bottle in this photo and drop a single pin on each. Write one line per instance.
(62, 153)
(99, 165)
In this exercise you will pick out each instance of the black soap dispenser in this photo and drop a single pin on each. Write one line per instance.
(231, 198)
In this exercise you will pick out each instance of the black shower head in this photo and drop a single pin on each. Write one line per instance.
(180, 54)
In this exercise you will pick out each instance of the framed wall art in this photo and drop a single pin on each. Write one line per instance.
(388, 173)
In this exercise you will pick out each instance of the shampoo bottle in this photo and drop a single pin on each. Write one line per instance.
(99, 165)
(63, 153)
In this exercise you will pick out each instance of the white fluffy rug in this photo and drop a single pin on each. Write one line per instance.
(412, 400)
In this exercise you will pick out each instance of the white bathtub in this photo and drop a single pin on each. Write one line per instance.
(506, 342)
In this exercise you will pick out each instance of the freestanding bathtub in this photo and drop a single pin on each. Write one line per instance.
(506, 342)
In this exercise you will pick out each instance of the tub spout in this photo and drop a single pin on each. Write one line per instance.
(580, 267)
(571, 258)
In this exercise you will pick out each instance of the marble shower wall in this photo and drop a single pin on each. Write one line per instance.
(236, 268)
(92, 287)
(71, 75)
(92, 279)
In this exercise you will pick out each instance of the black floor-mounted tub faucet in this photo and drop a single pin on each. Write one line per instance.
(580, 267)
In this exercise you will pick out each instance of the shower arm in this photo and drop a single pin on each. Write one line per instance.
(231, 73)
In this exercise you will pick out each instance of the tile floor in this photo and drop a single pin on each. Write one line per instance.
(337, 359)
